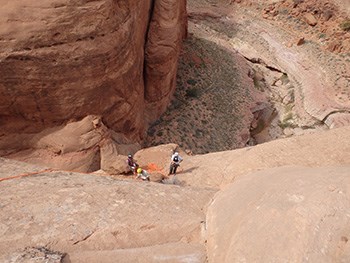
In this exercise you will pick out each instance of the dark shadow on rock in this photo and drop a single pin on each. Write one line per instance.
(172, 180)
(188, 170)
(66, 259)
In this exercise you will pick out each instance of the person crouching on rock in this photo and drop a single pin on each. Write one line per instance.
(132, 164)
(175, 162)
(142, 174)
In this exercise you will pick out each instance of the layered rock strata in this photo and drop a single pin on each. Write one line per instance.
(63, 60)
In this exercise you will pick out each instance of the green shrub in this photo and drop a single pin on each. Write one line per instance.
(287, 121)
(284, 125)
(191, 82)
(345, 25)
(256, 83)
(192, 93)
(284, 79)
(288, 117)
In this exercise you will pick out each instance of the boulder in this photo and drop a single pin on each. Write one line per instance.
(327, 14)
(156, 177)
(156, 158)
(111, 161)
(310, 19)
(300, 41)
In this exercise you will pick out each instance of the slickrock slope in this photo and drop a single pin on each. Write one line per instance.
(327, 148)
(294, 204)
(63, 60)
(78, 213)
(291, 214)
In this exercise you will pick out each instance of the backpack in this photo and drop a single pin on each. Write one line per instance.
(176, 159)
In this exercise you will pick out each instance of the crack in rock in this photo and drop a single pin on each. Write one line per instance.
(84, 238)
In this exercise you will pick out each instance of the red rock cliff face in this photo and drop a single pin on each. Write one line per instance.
(65, 59)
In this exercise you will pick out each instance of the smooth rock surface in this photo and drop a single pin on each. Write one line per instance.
(76, 213)
(290, 214)
(328, 148)
(279, 201)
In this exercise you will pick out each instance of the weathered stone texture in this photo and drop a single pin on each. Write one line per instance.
(62, 60)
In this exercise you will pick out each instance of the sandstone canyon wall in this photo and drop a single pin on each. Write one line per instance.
(63, 60)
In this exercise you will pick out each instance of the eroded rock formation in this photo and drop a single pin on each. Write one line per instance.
(63, 60)
(84, 146)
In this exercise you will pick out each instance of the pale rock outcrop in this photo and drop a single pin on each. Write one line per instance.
(87, 146)
(290, 214)
(63, 60)
(338, 119)
(36, 255)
